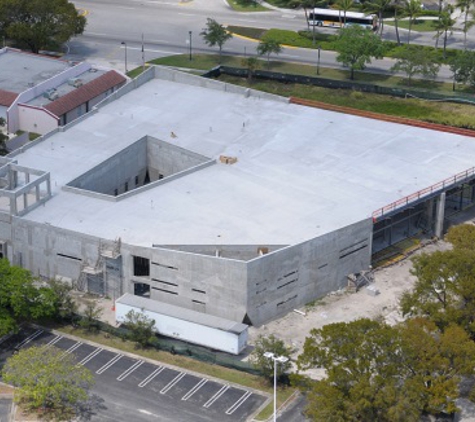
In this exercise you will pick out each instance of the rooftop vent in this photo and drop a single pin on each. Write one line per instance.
(75, 82)
(51, 94)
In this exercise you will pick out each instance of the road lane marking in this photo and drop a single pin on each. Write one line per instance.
(90, 356)
(29, 339)
(151, 376)
(126, 373)
(174, 381)
(235, 406)
(224, 388)
(200, 384)
(109, 364)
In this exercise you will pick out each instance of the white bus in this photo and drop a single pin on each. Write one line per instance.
(337, 19)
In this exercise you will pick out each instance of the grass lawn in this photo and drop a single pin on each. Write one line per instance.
(216, 371)
(418, 25)
(246, 6)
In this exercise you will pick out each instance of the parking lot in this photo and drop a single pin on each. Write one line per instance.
(133, 389)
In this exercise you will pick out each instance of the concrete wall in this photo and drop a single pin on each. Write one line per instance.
(260, 289)
(36, 119)
(167, 159)
(212, 285)
(291, 277)
(117, 171)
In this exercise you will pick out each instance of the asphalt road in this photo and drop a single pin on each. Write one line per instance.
(165, 26)
(130, 389)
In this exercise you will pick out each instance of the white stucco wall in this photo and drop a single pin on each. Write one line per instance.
(32, 119)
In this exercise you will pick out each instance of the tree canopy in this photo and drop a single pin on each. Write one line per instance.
(140, 326)
(268, 46)
(215, 34)
(276, 346)
(416, 60)
(49, 379)
(40, 24)
(389, 374)
(21, 299)
(356, 46)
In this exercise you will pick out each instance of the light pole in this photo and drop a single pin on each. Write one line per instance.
(276, 359)
(191, 57)
(125, 45)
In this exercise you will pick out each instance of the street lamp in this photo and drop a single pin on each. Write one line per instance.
(190, 33)
(276, 359)
(125, 45)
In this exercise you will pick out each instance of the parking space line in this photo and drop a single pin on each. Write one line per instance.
(223, 389)
(109, 364)
(200, 384)
(172, 383)
(29, 339)
(126, 373)
(70, 350)
(54, 340)
(90, 356)
(234, 407)
(151, 376)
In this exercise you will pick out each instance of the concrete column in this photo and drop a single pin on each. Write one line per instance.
(439, 219)
(48, 187)
(429, 213)
(37, 189)
(13, 210)
(25, 201)
(27, 177)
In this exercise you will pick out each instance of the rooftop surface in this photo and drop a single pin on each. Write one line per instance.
(301, 172)
(20, 71)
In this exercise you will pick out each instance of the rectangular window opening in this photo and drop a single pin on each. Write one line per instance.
(198, 291)
(286, 284)
(69, 256)
(169, 283)
(165, 291)
(141, 266)
(199, 302)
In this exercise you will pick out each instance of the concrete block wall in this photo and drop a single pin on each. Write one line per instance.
(112, 174)
(291, 277)
(212, 285)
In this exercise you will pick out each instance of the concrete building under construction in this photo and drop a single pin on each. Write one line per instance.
(223, 200)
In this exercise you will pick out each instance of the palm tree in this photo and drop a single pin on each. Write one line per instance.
(345, 5)
(378, 7)
(411, 9)
(444, 25)
(465, 7)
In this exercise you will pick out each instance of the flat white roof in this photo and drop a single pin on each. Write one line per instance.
(301, 172)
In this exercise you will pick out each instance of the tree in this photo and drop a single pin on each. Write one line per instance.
(356, 46)
(465, 8)
(463, 235)
(65, 307)
(415, 60)
(344, 5)
(265, 365)
(445, 290)
(389, 374)
(215, 34)
(251, 64)
(411, 9)
(268, 46)
(20, 298)
(90, 317)
(48, 379)
(462, 65)
(40, 24)
(140, 326)
(378, 7)
(444, 25)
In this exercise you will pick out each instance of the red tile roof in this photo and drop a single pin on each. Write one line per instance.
(7, 98)
(85, 93)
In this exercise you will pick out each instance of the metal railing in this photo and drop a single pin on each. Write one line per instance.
(450, 181)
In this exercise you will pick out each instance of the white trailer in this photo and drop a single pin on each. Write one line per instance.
(185, 324)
